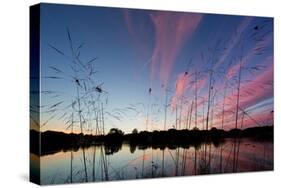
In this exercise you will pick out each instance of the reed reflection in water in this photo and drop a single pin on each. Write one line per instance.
(122, 162)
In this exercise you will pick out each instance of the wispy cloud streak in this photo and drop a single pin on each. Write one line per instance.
(171, 32)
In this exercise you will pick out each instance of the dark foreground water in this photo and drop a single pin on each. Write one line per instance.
(100, 163)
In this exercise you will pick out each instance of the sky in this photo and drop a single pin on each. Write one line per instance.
(151, 63)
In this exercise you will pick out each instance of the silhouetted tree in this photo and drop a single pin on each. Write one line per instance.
(116, 131)
(135, 131)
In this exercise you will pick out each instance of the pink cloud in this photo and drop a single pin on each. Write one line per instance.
(232, 71)
(262, 118)
(181, 85)
(171, 32)
(258, 94)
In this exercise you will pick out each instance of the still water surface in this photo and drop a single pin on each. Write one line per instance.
(125, 162)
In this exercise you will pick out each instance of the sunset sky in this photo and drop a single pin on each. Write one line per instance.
(139, 50)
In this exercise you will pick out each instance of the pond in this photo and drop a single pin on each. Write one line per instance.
(104, 163)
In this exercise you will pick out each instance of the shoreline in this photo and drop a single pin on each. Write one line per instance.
(53, 142)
